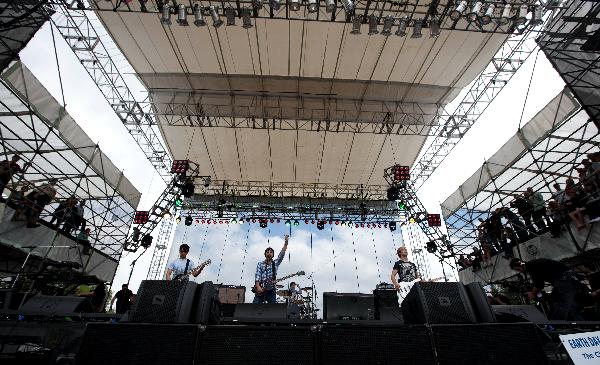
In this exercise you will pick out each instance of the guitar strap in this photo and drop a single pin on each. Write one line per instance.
(185, 272)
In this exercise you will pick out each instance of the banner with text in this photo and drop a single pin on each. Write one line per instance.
(584, 348)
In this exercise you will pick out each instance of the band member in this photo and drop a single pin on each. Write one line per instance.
(566, 286)
(123, 298)
(266, 274)
(183, 266)
(404, 269)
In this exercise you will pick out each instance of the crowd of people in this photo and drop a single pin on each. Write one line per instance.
(29, 201)
(529, 215)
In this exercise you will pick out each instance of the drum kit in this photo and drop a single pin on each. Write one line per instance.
(301, 301)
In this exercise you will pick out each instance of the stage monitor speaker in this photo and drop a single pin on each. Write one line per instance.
(431, 302)
(138, 344)
(375, 344)
(249, 345)
(518, 313)
(162, 301)
(231, 294)
(50, 305)
(261, 312)
(207, 306)
(479, 302)
(489, 344)
(390, 314)
(385, 299)
(348, 306)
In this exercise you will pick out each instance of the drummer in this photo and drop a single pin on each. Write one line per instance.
(295, 293)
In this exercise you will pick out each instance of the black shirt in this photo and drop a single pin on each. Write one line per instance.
(407, 271)
(123, 297)
(545, 270)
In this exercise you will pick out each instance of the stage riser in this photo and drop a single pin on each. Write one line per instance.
(357, 344)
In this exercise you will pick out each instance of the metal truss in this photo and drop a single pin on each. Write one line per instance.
(80, 33)
(156, 270)
(412, 11)
(451, 127)
(19, 21)
(553, 159)
(570, 43)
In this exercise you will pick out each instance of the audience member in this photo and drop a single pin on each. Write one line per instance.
(7, 169)
(123, 298)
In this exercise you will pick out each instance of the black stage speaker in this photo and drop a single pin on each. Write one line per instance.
(138, 344)
(256, 345)
(489, 344)
(518, 313)
(430, 302)
(162, 301)
(376, 344)
(10, 299)
(347, 306)
(207, 306)
(49, 305)
(479, 302)
(385, 299)
(261, 312)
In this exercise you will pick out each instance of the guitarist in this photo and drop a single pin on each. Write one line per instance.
(266, 274)
(404, 269)
(181, 266)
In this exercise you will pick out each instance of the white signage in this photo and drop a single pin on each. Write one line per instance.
(584, 348)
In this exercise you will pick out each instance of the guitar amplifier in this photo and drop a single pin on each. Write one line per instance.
(162, 301)
(347, 306)
(231, 294)
(384, 299)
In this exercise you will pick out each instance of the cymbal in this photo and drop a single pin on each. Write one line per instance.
(283, 293)
(278, 286)
(298, 301)
(307, 288)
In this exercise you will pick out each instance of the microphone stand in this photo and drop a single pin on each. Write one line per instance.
(133, 265)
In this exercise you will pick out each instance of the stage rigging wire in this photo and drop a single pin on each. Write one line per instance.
(245, 253)
(376, 257)
(333, 257)
(355, 261)
(223, 252)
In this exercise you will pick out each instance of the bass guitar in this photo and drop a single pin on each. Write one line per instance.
(185, 276)
(405, 286)
(299, 273)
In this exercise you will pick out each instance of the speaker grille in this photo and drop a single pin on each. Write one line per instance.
(158, 301)
(255, 345)
(376, 345)
(138, 344)
(496, 344)
(429, 302)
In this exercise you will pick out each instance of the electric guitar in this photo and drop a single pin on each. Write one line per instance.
(405, 286)
(299, 273)
(185, 276)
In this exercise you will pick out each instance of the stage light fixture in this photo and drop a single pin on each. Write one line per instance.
(456, 13)
(431, 247)
(141, 217)
(417, 27)
(401, 32)
(489, 13)
(320, 225)
(263, 223)
(388, 23)
(356, 22)
(275, 4)
(373, 23)
(234, 221)
(136, 234)
(296, 223)
(411, 220)
(313, 7)
(217, 22)
(505, 17)
(401, 206)
(474, 14)
(146, 241)
(246, 18)
(188, 188)
(392, 193)
(329, 5)
(537, 15)
(420, 217)
(188, 220)
(434, 27)
(348, 6)
(522, 15)
(287, 222)
(401, 173)
(182, 15)
(294, 5)
(198, 17)
(257, 4)
(230, 16)
(166, 15)
(178, 201)
(207, 181)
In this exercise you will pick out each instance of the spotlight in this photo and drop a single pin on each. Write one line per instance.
(147, 241)
(392, 226)
(401, 32)
(388, 22)
(312, 6)
(373, 22)
(348, 6)
(295, 5)
(207, 181)
(296, 223)
(434, 220)
(489, 13)
(246, 19)
(456, 13)
(166, 15)
(401, 173)
(217, 22)
(392, 193)
(417, 26)
(230, 15)
(263, 223)
(275, 4)
(141, 217)
(188, 188)
(401, 206)
(537, 15)
(257, 4)
(522, 15)
(178, 202)
(188, 220)
(431, 247)
(287, 222)
(472, 16)
(434, 27)
(198, 18)
(136, 234)
(330, 5)
(320, 225)
(182, 15)
(420, 217)
(505, 17)
(234, 221)
(356, 22)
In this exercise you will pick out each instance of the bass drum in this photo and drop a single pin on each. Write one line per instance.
(294, 311)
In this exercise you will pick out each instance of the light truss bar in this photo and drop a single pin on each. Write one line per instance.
(79, 32)
(157, 264)
(453, 126)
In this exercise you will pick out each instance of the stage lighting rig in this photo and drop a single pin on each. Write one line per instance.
(180, 167)
(198, 16)
(434, 28)
(165, 17)
(141, 217)
(457, 12)
(230, 16)
(217, 22)
(373, 23)
(188, 220)
(136, 234)
(392, 226)
(393, 193)
(388, 23)
(246, 18)
(320, 225)
(417, 28)
(356, 23)
(348, 6)
(263, 223)
(431, 247)
(146, 241)
(434, 220)
(182, 15)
